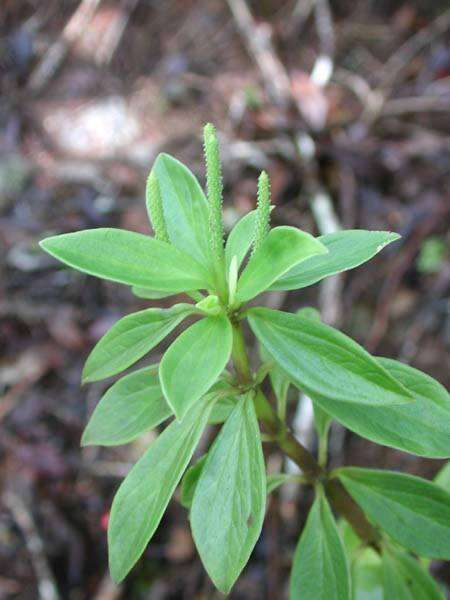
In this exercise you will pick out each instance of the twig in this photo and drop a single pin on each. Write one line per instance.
(22, 516)
(402, 58)
(427, 317)
(400, 106)
(323, 67)
(399, 61)
(369, 98)
(56, 54)
(301, 12)
(108, 590)
(399, 268)
(114, 33)
(257, 39)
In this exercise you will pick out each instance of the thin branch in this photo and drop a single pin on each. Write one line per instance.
(402, 58)
(22, 516)
(257, 39)
(400, 106)
(58, 51)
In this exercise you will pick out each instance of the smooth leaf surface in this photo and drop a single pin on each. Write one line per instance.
(282, 248)
(229, 500)
(346, 250)
(421, 427)
(319, 569)
(443, 477)
(226, 401)
(185, 207)
(142, 498)
(194, 361)
(141, 292)
(365, 566)
(128, 257)
(367, 576)
(404, 578)
(190, 480)
(240, 240)
(413, 511)
(276, 480)
(222, 410)
(322, 360)
(131, 338)
(133, 405)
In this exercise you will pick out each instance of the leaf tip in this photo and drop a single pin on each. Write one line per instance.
(391, 236)
(46, 244)
(85, 378)
(85, 441)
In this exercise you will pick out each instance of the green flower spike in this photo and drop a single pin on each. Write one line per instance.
(215, 187)
(155, 208)
(263, 211)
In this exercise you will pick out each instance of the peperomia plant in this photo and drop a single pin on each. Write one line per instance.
(388, 519)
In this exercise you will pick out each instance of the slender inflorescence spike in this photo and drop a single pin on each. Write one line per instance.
(155, 208)
(263, 210)
(214, 187)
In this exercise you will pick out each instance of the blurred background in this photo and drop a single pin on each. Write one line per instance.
(345, 103)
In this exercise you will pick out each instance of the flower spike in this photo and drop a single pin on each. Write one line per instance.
(263, 211)
(214, 187)
(155, 208)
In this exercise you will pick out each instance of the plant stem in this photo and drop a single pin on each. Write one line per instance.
(338, 496)
(285, 440)
(344, 504)
(239, 356)
(323, 449)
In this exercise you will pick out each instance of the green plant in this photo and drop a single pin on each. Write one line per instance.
(205, 376)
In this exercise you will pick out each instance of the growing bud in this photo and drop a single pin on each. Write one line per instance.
(214, 188)
(262, 211)
(210, 305)
(155, 208)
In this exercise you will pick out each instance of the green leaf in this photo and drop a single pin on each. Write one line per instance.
(130, 258)
(131, 338)
(443, 477)
(281, 249)
(194, 361)
(324, 361)
(143, 496)
(276, 480)
(365, 566)
(421, 427)
(404, 578)
(185, 208)
(141, 292)
(240, 240)
(309, 312)
(322, 421)
(190, 480)
(319, 569)
(134, 404)
(413, 511)
(229, 501)
(367, 576)
(346, 250)
(222, 409)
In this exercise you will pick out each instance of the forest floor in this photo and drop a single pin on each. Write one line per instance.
(347, 110)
